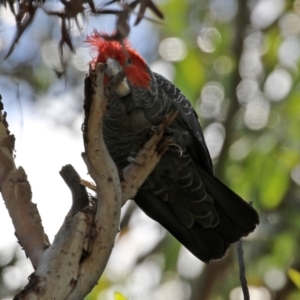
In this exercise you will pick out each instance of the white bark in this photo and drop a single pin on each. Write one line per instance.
(73, 264)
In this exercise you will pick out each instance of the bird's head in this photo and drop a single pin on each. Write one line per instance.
(122, 55)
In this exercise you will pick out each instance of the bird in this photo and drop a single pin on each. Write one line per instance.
(181, 193)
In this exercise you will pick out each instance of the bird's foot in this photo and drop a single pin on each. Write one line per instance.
(154, 129)
(168, 130)
(166, 142)
(163, 144)
(131, 158)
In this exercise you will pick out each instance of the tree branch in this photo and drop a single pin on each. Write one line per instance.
(109, 196)
(72, 265)
(241, 22)
(16, 193)
(79, 194)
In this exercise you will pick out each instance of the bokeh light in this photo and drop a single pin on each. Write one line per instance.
(273, 218)
(295, 174)
(250, 64)
(81, 59)
(188, 265)
(223, 10)
(143, 279)
(212, 96)
(275, 279)
(241, 148)
(266, 143)
(290, 24)
(173, 289)
(289, 52)
(247, 90)
(208, 39)
(142, 236)
(223, 64)
(265, 12)
(172, 49)
(164, 68)
(16, 271)
(278, 85)
(257, 114)
(256, 293)
(50, 54)
(214, 136)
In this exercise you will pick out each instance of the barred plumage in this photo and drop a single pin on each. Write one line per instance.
(181, 193)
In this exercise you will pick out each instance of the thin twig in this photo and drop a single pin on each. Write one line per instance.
(243, 280)
(80, 198)
(242, 267)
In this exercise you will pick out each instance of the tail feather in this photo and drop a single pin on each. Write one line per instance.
(237, 219)
(204, 243)
(235, 213)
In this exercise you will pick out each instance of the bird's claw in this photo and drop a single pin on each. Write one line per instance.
(163, 144)
(166, 143)
(154, 128)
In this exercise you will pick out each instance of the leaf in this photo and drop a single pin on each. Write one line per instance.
(274, 186)
(119, 296)
(273, 178)
(283, 248)
(294, 275)
(190, 75)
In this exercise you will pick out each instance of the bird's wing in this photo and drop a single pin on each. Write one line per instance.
(234, 207)
(204, 243)
(189, 120)
(209, 235)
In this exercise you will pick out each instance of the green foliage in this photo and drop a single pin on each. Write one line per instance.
(119, 296)
(257, 159)
(191, 78)
(274, 178)
(294, 275)
(256, 162)
(175, 15)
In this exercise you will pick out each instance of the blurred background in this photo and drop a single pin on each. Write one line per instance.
(238, 63)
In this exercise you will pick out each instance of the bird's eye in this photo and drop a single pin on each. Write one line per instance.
(128, 61)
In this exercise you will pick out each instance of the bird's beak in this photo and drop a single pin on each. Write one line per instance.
(113, 68)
